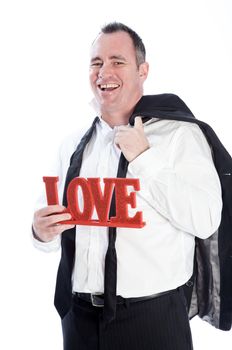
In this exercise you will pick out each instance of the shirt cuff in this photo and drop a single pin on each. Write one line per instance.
(46, 247)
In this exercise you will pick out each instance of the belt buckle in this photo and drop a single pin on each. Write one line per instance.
(96, 301)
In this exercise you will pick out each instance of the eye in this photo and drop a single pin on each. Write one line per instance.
(118, 63)
(96, 64)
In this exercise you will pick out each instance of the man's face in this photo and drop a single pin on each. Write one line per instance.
(115, 78)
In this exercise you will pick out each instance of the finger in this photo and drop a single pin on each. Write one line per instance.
(68, 227)
(123, 134)
(50, 209)
(138, 123)
(123, 127)
(53, 231)
(59, 228)
(116, 141)
(55, 219)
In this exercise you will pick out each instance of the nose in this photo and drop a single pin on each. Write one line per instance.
(105, 71)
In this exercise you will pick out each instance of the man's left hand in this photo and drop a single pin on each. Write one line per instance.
(132, 141)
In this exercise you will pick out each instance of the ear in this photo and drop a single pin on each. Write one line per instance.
(143, 70)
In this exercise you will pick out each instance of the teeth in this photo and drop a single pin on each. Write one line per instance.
(108, 86)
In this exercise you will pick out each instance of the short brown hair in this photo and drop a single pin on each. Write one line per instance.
(140, 50)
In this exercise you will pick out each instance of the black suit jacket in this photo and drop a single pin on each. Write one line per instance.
(209, 292)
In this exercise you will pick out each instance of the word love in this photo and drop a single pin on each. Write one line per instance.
(94, 197)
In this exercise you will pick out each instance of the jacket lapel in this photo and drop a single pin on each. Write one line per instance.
(63, 293)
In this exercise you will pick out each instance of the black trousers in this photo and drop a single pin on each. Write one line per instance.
(155, 324)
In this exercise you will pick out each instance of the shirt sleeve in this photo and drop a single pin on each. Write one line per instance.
(47, 247)
(183, 187)
(59, 168)
(55, 170)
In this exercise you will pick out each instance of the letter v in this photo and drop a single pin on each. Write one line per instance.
(102, 200)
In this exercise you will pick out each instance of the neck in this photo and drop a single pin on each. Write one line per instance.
(114, 119)
(119, 117)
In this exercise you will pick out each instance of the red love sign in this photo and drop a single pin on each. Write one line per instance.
(93, 197)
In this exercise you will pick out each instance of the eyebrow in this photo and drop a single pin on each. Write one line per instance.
(114, 57)
(117, 57)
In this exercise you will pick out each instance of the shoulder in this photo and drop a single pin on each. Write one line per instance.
(168, 126)
(177, 133)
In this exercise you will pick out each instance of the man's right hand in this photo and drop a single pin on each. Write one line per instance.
(46, 222)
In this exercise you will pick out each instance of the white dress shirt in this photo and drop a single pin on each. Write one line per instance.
(180, 197)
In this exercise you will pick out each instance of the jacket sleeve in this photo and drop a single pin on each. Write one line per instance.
(184, 186)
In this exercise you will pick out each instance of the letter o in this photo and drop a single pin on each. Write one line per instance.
(72, 198)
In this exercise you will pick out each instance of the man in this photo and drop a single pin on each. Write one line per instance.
(180, 198)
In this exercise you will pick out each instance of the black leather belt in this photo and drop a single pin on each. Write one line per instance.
(98, 299)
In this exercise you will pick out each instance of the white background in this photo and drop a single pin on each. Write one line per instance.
(44, 96)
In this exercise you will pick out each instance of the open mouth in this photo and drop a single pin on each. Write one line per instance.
(108, 87)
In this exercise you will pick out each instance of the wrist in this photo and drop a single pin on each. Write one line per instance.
(35, 235)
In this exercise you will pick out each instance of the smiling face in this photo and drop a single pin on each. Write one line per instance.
(115, 78)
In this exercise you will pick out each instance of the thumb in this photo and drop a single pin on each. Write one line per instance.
(138, 123)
